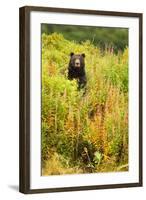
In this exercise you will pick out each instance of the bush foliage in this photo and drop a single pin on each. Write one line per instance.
(83, 132)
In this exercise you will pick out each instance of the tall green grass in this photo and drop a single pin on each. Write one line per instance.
(83, 133)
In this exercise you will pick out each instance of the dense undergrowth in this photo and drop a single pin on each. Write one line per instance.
(83, 133)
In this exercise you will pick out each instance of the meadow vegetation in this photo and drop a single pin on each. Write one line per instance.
(83, 133)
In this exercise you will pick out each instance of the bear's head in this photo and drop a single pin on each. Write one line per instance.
(77, 60)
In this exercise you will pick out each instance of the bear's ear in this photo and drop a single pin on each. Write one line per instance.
(71, 54)
(83, 55)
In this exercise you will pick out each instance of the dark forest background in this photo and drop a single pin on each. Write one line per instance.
(103, 37)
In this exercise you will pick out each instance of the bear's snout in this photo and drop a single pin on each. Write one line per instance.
(77, 63)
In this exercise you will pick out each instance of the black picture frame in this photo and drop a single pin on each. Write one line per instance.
(24, 98)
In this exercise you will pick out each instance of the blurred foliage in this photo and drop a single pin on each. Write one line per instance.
(117, 38)
(83, 133)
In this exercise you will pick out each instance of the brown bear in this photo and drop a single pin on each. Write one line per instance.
(76, 69)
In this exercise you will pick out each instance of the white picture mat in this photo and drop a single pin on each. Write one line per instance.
(132, 176)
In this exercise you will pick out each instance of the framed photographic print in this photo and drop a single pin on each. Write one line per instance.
(80, 99)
